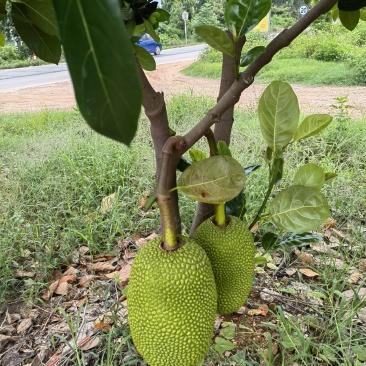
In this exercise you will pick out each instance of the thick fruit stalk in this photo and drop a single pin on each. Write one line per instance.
(172, 303)
(231, 252)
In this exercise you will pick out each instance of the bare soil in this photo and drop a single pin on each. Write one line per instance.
(168, 79)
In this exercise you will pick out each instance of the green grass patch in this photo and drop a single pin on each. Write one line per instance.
(301, 71)
(55, 172)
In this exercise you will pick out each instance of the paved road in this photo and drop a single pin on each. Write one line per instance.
(26, 77)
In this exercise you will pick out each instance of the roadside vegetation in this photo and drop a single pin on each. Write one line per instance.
(317, 57)
(55, 173)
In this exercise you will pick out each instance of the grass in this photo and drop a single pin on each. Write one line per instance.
(55, 171)
(294, 70)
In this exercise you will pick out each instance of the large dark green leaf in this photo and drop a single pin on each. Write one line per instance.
(2, 9)
(42, 14)
(164, 16)
(44, 45)
(312, 125)
(310, 175)
(214, 180)
(145, 58)
(351, 5)
(298, 209)
(237, 206)
(216, 38)
(244, 15)
(102, 66)
(305, 238)
(278, 113)
(251, 55)
(349, 19)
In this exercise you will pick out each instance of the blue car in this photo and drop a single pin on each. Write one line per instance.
(149, 44)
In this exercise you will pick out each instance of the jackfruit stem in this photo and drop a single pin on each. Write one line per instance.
(211, 142)
(220, 217)
(168, 223)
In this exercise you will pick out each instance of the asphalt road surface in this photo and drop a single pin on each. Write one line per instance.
(26, 77)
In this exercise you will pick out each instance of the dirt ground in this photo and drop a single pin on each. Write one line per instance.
(169, 79)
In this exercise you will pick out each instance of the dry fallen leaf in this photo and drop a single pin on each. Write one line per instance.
(101, 266)
(308, 272)
(63, 288)
(4, 339)
(69, 279)
(355, 277)
(108, 203)
(24, 325)
(262, 310)
(350, 293)
(306, 258)
(87, 280)
(21, 274)
(91, 343)
(83, 250)
(128, 256)
(328, 224)
(70, 271)
(290, 271)
(124, 274)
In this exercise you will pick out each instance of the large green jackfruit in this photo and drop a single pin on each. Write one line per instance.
(231, 252)
(172, 302)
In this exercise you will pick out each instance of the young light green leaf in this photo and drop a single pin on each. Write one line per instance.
(335, 14)
(298, 209)
(214, 180)
(312, 125)
(146, 60)
(363, 14)
(101, 65)
(330, 175)
(229, 331)
(349, 19)
(310, 175)
(44, 45)
(216, 38)
(251, 55)
(223, 148)
(222, 345)
(2, 40)
(279, 114)
(164, 16)
(197, 155)
(42, 14)
(244, 15)
(150, 30)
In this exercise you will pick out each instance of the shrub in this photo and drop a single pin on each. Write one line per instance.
(357, 60)
(9, 53)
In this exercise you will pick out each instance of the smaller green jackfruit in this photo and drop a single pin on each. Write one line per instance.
(172, 303)
(231, 252)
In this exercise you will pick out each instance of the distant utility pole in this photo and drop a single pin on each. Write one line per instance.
(185, 17)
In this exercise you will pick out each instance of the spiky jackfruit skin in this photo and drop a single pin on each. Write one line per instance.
(171, 302)
(231, 252)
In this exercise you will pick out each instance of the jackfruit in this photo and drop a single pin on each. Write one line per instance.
(171, 301)
(231, 252)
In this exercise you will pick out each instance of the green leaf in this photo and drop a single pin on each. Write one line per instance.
(223, 148)
(2, 40)
(290, 342)
(330, 175)
(197, 155)
(351, 5)
(363, 14)
(310, 175)
(42, 14)
(278, 113)
(2, 9)
(312, 125)
(236, 206)
(260, 260)
(222, 345)
(335, 14)
(101, 65)
(164, 16)
(298, 209)
(269, 240)
(360, 352)
(278, 164)
(349, 19)
(216, 38)
(44, 45)
(251, 55)
(214, 180)
(146, 60)
(245, 14)
(229, 331)
(300, 239)
(150, 30)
